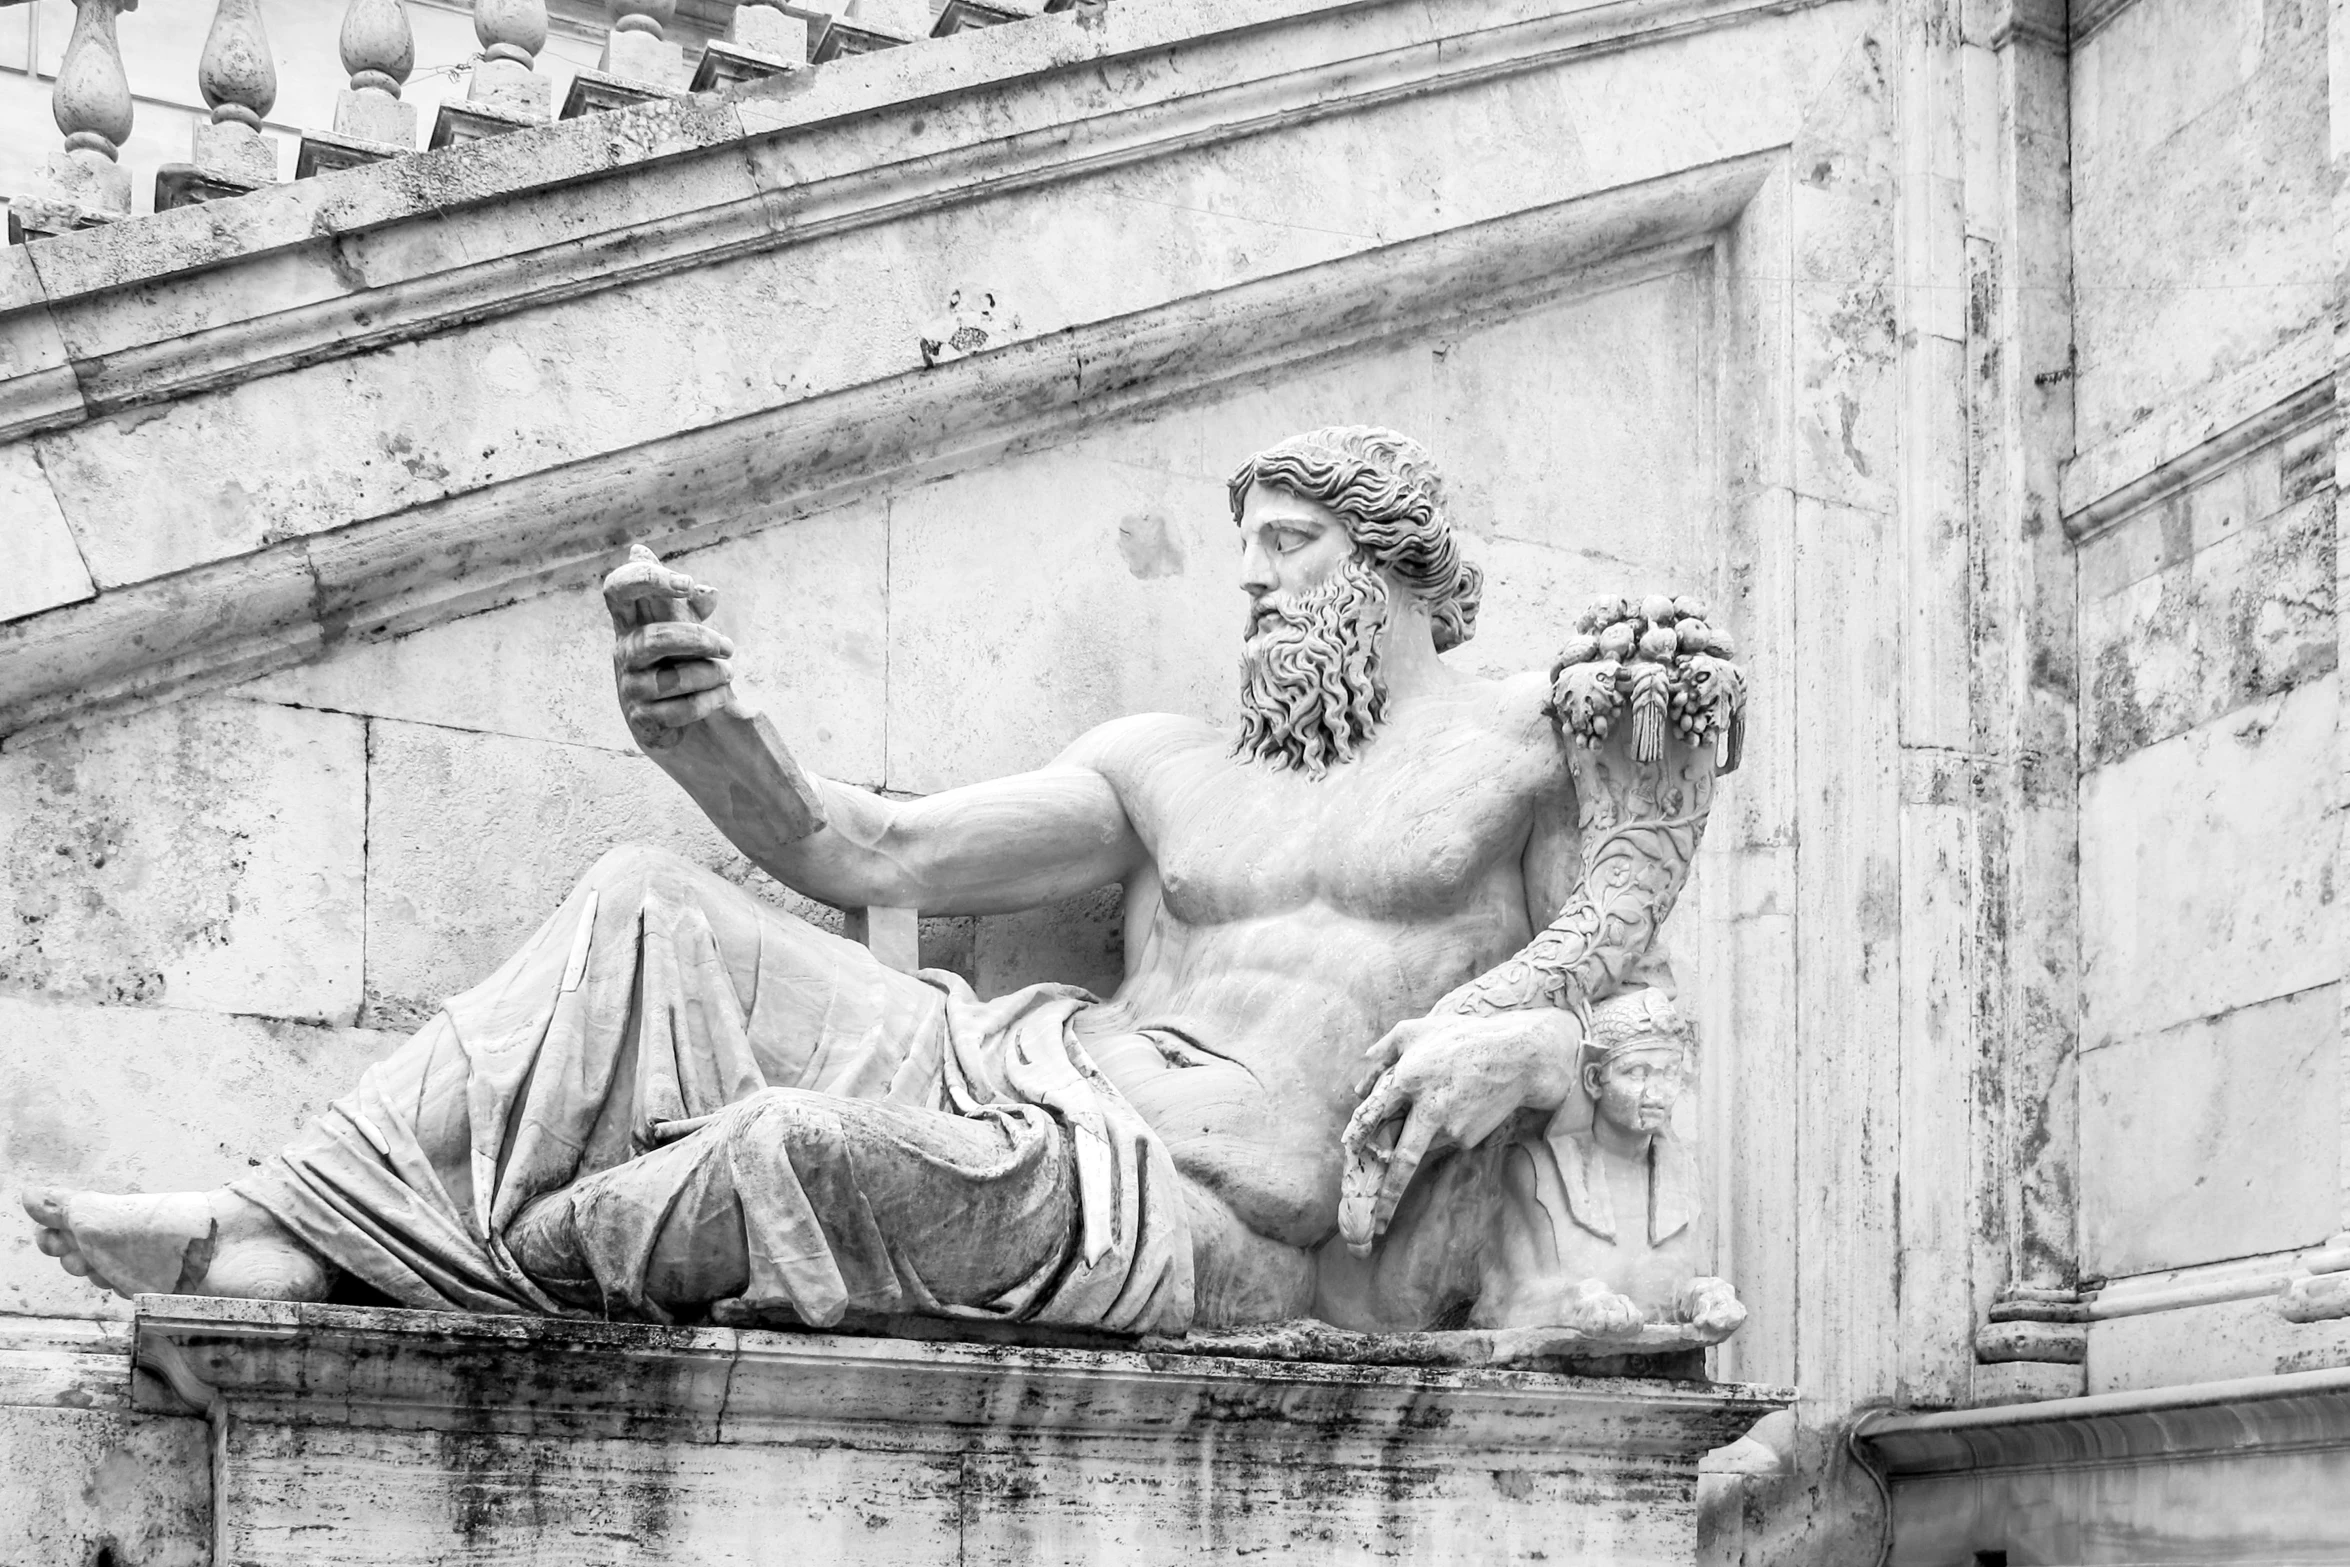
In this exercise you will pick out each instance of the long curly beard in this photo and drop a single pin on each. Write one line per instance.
(1310, 689)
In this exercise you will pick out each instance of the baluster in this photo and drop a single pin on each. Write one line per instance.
(639, 61)
(506, 92)
(84, 182)
(229, 155)
(371, 123)
(765, 37)
(868, 25)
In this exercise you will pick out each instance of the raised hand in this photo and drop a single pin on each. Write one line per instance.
(670, 668)
(1445, 1082)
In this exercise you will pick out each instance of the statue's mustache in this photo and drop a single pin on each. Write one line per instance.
(1310, 686)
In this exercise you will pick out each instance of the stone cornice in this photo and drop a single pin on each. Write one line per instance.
(2297, 1410)
(2286, 390)
(108, 319)
(268, 1360)
(253, 612)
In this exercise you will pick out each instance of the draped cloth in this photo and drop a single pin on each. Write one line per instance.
(686, 1054)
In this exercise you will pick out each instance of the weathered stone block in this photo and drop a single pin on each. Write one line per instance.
(2201, 227)
(89, 1486)
(997, 660)
(234, 149)
(803, 602)
(2220, 1341)
(147, 1099)
(2212, 1139)
(2207, 873)
(1580, 426)
(204, 854)
(769, 31)
(2023, 1382)
(644, 58)
(44, 564)
(473, 839)
(2212, 628)
(604, 1443)
(371, 114)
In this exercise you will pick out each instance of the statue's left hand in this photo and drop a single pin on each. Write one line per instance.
(1443, 1082)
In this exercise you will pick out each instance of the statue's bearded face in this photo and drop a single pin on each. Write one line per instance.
(1310, 691)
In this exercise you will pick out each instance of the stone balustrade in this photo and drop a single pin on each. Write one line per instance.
(86, 182)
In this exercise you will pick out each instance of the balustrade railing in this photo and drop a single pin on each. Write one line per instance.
(85, 183)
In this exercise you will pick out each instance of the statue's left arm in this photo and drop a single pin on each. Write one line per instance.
(1651, 712)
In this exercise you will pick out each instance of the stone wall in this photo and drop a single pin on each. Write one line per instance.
(2203, 503)
(304, 714)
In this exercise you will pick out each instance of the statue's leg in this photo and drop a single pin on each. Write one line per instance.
(819, 1204)
(657, 992)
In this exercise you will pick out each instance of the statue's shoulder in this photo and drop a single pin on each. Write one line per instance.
(1126, 747)
(1521, 708)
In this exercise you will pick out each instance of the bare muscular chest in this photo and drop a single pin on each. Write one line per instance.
(1415, 827)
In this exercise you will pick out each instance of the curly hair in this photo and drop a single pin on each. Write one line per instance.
(1386, 489)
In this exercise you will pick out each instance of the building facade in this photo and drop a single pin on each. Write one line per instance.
(1976, 361)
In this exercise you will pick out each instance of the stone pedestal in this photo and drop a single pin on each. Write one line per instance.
(2252, 1471)
(387, 1437)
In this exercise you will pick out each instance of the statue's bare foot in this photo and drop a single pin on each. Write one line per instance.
(183, 1243)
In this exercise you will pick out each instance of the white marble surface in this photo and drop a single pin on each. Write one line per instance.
(374, 1437)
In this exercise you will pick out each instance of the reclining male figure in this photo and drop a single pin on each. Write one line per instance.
(677, 1097)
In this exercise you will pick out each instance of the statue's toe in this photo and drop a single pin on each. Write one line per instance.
(47, 1207)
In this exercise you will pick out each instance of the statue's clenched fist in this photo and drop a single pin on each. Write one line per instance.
(670, 667)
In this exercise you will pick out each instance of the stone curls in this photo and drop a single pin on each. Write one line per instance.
(1386, 487)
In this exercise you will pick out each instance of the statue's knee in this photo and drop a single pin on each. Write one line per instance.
(629, 870)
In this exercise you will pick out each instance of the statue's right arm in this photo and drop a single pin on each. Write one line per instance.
(1011, 843)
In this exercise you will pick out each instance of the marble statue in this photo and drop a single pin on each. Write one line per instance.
(1374, 927)
(1595, 1227)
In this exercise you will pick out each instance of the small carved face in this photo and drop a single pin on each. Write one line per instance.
(1288, 545)
(1635, 1089)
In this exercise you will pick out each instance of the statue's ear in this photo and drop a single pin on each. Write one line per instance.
(1591, 1080)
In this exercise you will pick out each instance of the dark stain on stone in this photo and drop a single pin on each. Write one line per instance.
(1148, 546)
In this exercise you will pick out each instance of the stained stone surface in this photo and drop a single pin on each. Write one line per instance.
(402, 1436)
(205, 854)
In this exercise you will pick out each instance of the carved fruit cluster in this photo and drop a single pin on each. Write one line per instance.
(1657, 658)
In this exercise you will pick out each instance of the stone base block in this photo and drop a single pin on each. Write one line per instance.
(843, 39)
(82, 1477)
(640, 57)
(237, 151)
(962, 15)
(723, 64)
(2245, 1471)
(506, 87)
(372, 116)
(594, 91)
(390, 1437)
(464, 122)
(184, 184)
(323, 153)
(763, 29)
(2026, 1382)
(77, 190)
